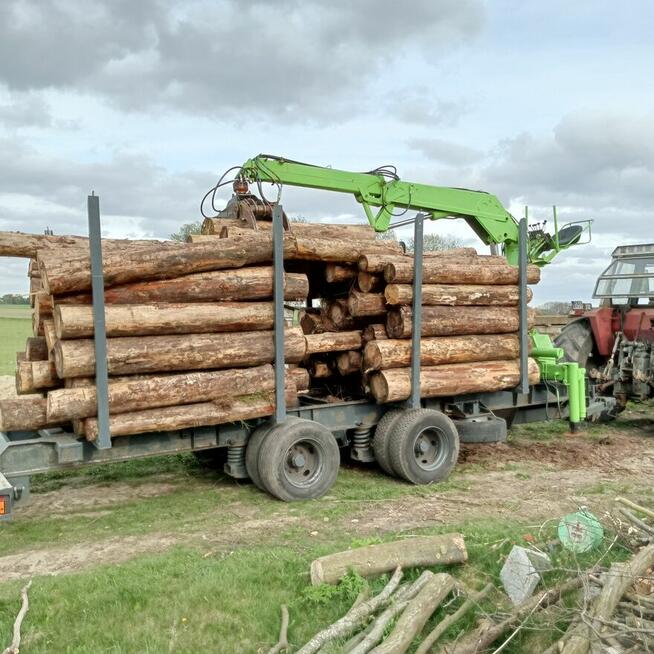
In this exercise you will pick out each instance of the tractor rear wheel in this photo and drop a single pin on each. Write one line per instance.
(576, 340)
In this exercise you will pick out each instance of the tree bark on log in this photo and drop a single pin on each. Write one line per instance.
(396, 353)
(226, 228)
(621, 576)
(300, 377)
(450, 379)
(365, 305)
(416, 615)
(441, 271)
(333, 342)
(356, 616)
(374, 332)
(76, 321)
(337, 250)
(369, 283)
(421, 551)
(36, 349)
(334, 273)
(456, 295)
(472, 602)
(375, 263)
(186, 416)
(148, 392)
(20, 244)
(236, 285)
(307, 230)
(144, 354)
(348, 363)
(63, 274)
(455, 321)
(25, 413)
(481, 638)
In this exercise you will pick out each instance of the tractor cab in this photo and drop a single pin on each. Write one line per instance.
(629, 279)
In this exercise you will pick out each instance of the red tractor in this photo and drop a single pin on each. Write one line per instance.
(614, 341)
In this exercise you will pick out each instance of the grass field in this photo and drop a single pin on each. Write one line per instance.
(15, 327)
(162, 555)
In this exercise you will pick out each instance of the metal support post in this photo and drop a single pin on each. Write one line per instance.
(278, 298)
(416, 317)
(522, 307)
(103, 441)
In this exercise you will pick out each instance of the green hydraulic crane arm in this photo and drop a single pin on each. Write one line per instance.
(482, 211)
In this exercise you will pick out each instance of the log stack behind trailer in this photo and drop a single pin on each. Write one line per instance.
(190, 326)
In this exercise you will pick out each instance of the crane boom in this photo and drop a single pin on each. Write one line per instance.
(382, 189)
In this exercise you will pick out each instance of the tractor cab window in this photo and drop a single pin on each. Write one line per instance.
(628, 280)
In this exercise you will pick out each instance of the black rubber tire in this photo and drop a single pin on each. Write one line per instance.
(429, 426)
(577, 341)
(381, 437)
(252, 450)
(213, 459)
(274, 465)
(492, 430)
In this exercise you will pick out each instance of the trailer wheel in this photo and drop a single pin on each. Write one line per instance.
(252, 453)
(424, 446)
(298, 460)
(381, 438)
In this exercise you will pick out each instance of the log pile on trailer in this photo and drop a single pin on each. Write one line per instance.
(190, 325)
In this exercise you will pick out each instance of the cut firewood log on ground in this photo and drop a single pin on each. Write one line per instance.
(420, 551)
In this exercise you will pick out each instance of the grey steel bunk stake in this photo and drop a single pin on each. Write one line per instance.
(103, 441)
(278, 299)
(416, 317)
(522, 308)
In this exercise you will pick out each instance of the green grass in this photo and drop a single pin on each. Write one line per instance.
(226, 601)
(15, 327)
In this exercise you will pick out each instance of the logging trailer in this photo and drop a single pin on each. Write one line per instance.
(295, 454)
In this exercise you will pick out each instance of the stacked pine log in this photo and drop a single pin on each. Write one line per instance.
(190, 325)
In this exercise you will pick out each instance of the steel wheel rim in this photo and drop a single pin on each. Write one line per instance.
(303, 463)
(428, 448)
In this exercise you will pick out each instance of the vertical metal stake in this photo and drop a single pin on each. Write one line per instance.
(103, 442)
(416, 318)
(278, 299)
(522, 307)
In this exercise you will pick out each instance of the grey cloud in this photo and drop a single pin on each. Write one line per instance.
(293, 59)
(25, 110)
(445, 151)
(420, 107)
(590, 159)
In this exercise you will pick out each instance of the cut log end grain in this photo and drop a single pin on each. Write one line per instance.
(348, 363)
(450, 379)
(32, 376)
(369, 283)
(374, 332)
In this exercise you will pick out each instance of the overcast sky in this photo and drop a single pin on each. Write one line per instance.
(147, 102)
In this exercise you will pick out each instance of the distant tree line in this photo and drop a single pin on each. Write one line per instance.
(14, 298)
